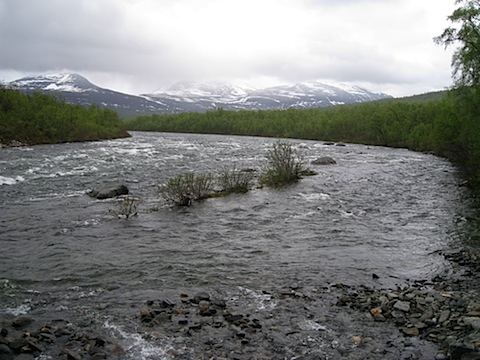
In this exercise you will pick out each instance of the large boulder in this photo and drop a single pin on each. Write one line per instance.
(324, 160)
(108, 191)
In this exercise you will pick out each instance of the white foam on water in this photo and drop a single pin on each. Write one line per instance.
(19, 310)
(314, 196)
(260, 301)
(311, 325)
(138, 348)
(50, 196)
(43, 357)
(4, 180)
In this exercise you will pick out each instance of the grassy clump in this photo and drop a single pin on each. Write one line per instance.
(126, 207)
(184, 189)
(232, 180)
(285, 165)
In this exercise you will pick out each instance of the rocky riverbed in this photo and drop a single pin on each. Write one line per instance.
(443, 312)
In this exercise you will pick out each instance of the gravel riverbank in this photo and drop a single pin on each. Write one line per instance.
(432, 319)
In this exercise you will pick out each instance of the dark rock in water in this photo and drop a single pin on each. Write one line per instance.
(25, 357)
(108, 191)
(22, 321)
(4, 349)
(324, 160)
(200, 296)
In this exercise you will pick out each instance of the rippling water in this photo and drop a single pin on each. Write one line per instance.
(378, 211)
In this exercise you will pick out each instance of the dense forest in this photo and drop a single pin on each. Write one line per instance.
(42, 119)
(447, 125)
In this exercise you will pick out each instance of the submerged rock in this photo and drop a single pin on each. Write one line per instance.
(108, 191)
(324, 160)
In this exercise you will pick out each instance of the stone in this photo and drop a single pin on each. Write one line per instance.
(24, 357)
(410, 331)
(474, 322)
(22, 321)
(203, 306)
(4, 349)
(376, 310)
(379, 318)
(200, 296)
(71, 354)
(108, 191)
(357, 340)
(397, 314)
(145, 313)
(219, 303)
(99, 356)
(402, 306)
(324, 160)
(444, 316)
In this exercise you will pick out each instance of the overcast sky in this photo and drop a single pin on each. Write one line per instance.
(140, 46)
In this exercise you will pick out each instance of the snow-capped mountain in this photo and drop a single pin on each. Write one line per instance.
(197, 97)
(185, 96)
(76, 89)
(55, 82)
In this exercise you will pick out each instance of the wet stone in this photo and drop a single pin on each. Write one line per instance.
(413, 331)
(444, 316)
(4, 349)
(25, 357)
(22, 321)
(200, 296)
(474, 322)
(402, 306)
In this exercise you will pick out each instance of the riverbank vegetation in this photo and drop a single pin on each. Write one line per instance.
(447, 126)
(284, 166)
(42, 119)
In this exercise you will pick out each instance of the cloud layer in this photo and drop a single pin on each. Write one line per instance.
(141, 45)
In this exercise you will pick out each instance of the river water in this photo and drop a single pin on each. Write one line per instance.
(381, 211)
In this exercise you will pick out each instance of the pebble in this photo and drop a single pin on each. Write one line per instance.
(433, 310)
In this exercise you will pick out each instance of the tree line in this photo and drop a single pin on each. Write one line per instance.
(43, 119)
(448, 126)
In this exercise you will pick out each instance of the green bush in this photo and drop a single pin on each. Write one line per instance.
(184, 189)
(285, 165)
(232, 180)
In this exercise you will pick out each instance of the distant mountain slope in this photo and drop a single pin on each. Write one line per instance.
(184, 96)
(76, 89)
(197, 97)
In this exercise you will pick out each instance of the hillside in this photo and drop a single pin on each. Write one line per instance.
(196, 97)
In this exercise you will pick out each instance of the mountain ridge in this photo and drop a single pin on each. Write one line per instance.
(187, 96)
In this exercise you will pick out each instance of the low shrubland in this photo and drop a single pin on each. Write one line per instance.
(184, 189)
(127, 206)
(284, 166)
(233, 180)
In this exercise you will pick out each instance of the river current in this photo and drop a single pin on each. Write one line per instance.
(379, 217)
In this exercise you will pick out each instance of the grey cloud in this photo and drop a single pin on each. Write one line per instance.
(84, 35)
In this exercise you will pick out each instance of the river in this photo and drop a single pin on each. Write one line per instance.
(377, 218)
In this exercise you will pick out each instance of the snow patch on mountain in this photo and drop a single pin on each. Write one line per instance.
(198, 97)
(55, 82)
